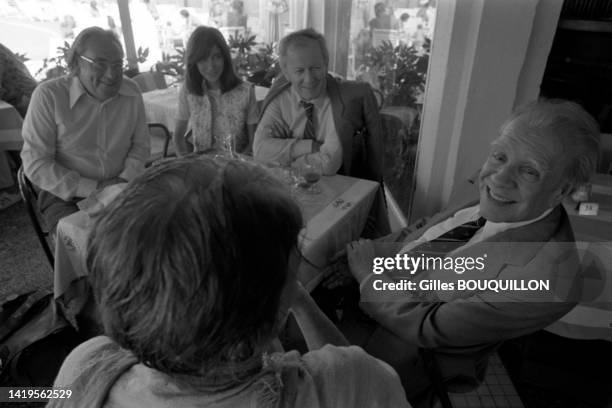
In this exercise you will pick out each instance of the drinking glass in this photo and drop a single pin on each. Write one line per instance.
(311, 174)
(229, 144)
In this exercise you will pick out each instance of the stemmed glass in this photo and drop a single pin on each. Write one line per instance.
(311, 174)
(229, 144)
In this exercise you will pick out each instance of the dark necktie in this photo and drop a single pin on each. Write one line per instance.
(309, 131)
(451, 240)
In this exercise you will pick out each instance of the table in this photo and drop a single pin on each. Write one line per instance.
(592, 318)
(161, 105)
(334, 217)
(10, 139)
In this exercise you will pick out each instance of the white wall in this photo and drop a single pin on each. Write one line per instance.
(486, 56)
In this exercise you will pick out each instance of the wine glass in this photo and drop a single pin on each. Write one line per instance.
(311, 174)
(229, 144)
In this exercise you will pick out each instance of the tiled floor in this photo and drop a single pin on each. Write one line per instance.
(497, 391)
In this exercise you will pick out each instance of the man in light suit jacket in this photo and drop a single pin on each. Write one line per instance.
(310, 117)
(545, 150)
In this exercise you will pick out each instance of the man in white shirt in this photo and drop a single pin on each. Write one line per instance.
(310, 117)
(86, 130)
(545, 150)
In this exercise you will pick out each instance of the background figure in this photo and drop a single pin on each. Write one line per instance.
(16, 82)
(194, 270)
(275, 9)
(16, 87)
(384, 19)
(67, 26)
(190, 23)
(213, 102)
(236, 16)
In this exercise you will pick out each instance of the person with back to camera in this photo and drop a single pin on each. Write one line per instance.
(193, 267)
(213, 101)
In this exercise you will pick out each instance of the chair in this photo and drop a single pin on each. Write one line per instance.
(29, 196)
(159, 134)
(150, 81)
(496, 389)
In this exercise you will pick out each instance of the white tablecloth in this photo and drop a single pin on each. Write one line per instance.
(334, 217)
(10, 139)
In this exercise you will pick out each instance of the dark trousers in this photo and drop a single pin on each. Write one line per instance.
(52, 208)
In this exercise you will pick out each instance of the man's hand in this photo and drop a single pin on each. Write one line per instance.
(360, 255)
(279, 130)
(337, 272)
(109, 182)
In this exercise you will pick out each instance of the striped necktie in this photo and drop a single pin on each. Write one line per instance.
(309, 131)
(451, 240)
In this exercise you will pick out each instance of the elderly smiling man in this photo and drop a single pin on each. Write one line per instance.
(86, 130)
(521, 232)
(311, 117)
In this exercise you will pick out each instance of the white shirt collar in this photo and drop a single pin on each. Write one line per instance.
(77, 90)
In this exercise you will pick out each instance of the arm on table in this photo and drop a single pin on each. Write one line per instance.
(38, 153)
(273, 140)
(316, 328)
(140, 149)
(327, 155)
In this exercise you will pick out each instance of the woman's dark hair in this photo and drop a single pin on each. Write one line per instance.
(189, 262)
(199, 46)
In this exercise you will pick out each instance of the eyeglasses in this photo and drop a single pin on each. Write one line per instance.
(103, 66)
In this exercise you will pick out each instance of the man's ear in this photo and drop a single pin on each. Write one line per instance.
(283, 67)
(564, 190)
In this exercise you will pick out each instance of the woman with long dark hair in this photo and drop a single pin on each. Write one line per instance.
(213, 102)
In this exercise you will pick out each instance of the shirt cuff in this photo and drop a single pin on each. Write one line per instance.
(300, 148)
(133, 168)
(85, 187)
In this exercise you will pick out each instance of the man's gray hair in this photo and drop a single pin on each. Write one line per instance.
(573, 126)
(301, 38)
(81, 42)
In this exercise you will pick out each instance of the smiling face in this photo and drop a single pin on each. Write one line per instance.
(211, 68)
(523, 176)
(304, 66)
(101, 78)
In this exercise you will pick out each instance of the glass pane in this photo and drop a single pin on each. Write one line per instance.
(389, 48)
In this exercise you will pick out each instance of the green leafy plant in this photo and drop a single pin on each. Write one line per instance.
(265, 66)
(173, 64)
(241, 47)
(21, 57)
(397, 71)
(56, 66)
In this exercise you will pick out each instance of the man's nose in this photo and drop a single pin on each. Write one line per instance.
(112, 72)
(308, 77)
(504, 176)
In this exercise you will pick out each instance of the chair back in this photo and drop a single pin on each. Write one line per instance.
(160, 141)
(30, 197)
(150, 81)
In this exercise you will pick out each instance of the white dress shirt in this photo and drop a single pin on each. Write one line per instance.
(286, 111)
(469, 214)
(72, 140)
